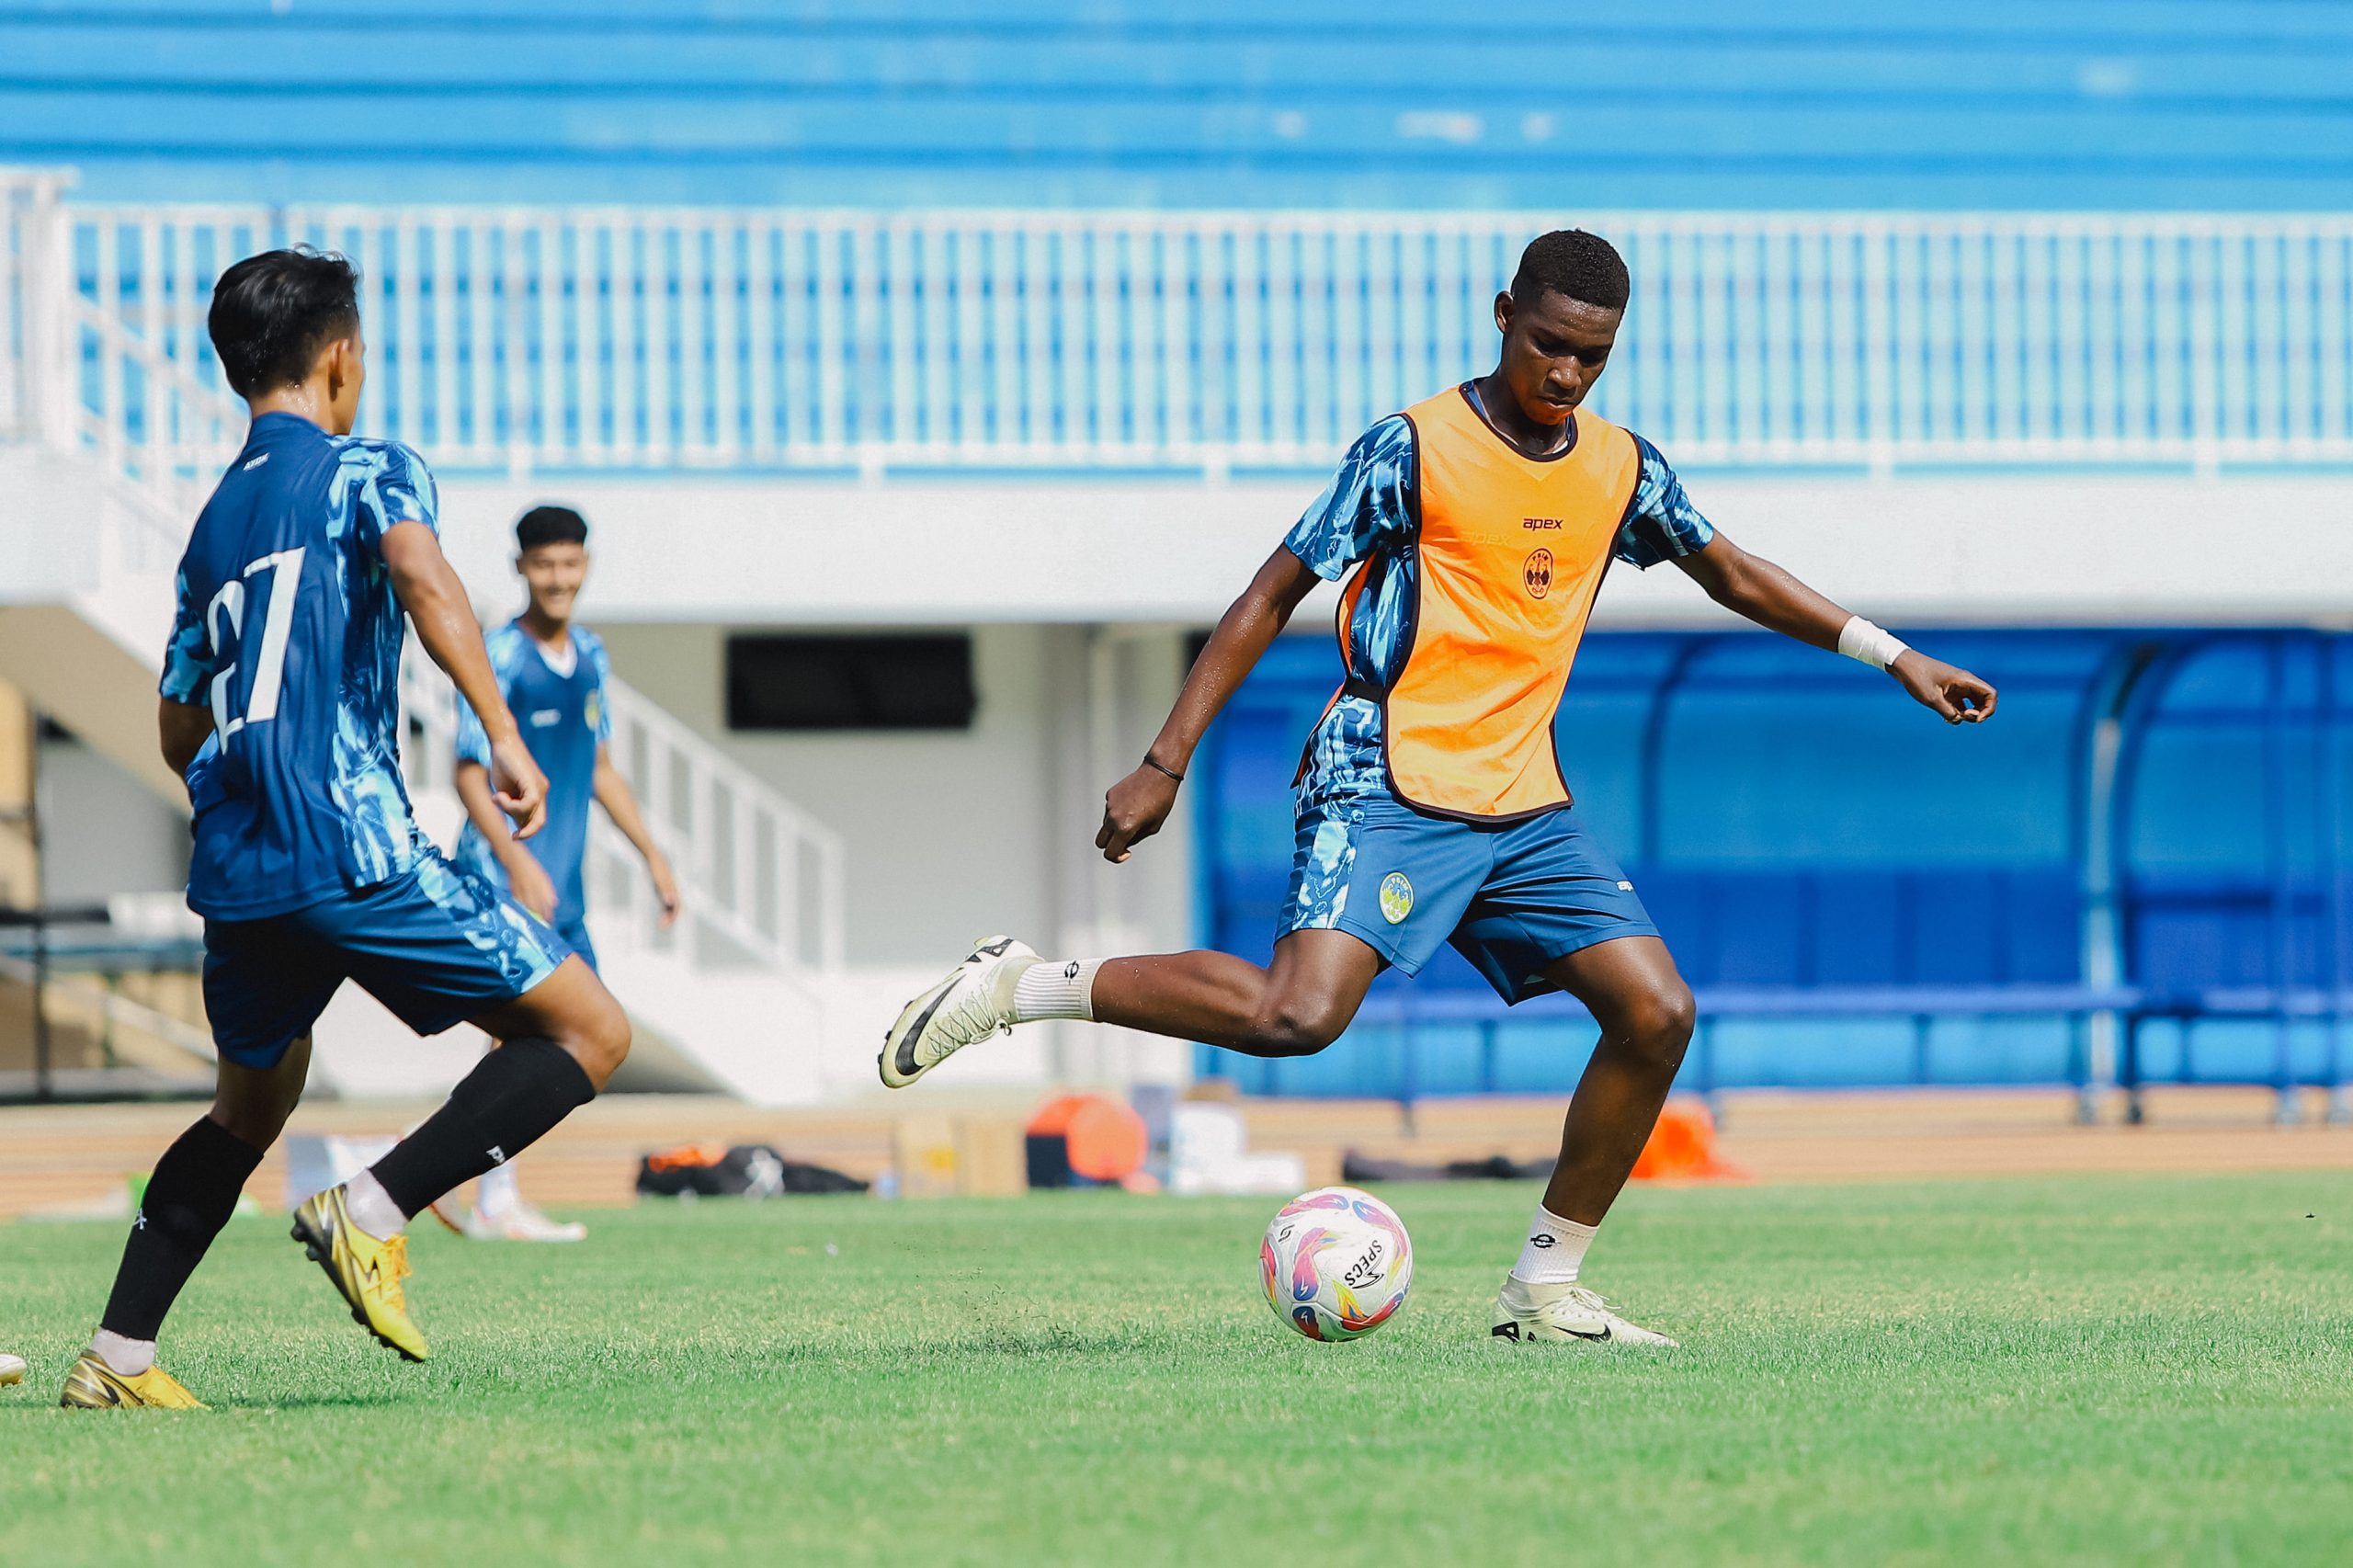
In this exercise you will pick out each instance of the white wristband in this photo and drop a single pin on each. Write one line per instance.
(1874, 645)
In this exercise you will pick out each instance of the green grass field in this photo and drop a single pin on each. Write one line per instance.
(2086, 1370)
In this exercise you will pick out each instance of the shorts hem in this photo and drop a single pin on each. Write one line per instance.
(443, 1019)
(1361, 930)
(1540, 986)
(255, 1059)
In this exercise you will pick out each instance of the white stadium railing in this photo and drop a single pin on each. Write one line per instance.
(660, 340)
(118, 370)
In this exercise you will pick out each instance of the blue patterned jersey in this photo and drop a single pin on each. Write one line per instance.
(559, 707)
(288, 630)
(1365, 514)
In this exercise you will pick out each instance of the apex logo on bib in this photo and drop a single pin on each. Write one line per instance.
(1396, 898)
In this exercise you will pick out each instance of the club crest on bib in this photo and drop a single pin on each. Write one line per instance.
(1396, 898)
(1536, 574)
(594, 709)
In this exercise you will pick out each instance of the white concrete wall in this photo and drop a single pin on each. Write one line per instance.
(103, 831)
(951, 836)
(1991, 550)
(949, 830)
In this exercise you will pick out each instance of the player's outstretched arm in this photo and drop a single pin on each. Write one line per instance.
(620, 801)
(428, 587)
(1753, 586)
(1138, 804)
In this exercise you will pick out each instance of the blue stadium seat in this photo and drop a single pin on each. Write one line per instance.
(1698, 103)
(1806, 836)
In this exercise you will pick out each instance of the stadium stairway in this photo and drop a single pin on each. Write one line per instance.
(735, 1000)
(721, 1006)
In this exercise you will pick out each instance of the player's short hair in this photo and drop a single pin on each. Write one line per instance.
(550, 525)
(1584, 267)
(273, 313)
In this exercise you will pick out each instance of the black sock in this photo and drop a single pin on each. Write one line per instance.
(503, 1107)
(189, 1198)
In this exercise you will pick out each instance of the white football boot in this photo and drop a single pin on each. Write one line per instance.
(973, 1002)
(1526, 1314)
(523, 1221)
(503, 1214)
(12, 1369)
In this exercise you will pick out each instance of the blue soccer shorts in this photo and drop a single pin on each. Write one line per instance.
(575, 937)
(1511, 897)
(437, 947)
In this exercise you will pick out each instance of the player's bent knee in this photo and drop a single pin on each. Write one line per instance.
(252, 1106)
(600, 1040)
(600, 1048)
(254, 1125)
(1660, 1024)
(1298, 1027)
(572, 1008)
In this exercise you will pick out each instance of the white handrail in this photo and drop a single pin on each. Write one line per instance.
(36, 281)
(637, 339)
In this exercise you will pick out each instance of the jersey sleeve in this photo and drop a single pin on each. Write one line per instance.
(188, 662)
(474, 742)
(1661, 524)
(1367, 506)
(600, 666)
(391, 485)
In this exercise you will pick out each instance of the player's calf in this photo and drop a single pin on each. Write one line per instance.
(1653, 1028)
(514, 1097)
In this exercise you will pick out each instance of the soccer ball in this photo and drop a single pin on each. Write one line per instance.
(1336, 1263)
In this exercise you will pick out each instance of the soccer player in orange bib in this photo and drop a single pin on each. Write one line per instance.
(1474, 529)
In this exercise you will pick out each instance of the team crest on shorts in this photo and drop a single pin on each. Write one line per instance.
(1396, 898)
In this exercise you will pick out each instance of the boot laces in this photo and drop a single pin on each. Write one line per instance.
(393, 1269)
(975, 1018)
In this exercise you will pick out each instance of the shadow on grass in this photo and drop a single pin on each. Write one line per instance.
(216, 1404)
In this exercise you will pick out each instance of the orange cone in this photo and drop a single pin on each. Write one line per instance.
(1105, 1138)
(1682, 1147)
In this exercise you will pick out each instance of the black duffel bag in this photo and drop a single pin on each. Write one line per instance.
(747, 1170)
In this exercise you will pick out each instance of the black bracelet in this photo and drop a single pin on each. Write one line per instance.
(1158, 766)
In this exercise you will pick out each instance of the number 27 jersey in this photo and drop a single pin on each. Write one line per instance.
(288, 630)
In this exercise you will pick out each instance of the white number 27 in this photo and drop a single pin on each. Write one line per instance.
(285, 568)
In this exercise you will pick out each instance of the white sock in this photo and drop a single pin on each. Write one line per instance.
(371, 1208)
(498, 1191)
(127, 1358)
(1053, 989)
(1555, 1250)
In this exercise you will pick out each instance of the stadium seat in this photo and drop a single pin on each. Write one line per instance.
(1825, 103)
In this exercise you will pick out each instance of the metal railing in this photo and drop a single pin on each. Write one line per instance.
(119, 368)
(754, 871)
(35, 280)
(657, 340)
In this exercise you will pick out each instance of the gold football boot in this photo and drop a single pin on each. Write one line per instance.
(94, 1385)
(367, 1269)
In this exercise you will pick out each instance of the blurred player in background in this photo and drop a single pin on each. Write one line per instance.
(1431, 803)
(552, 674)
(280, 709)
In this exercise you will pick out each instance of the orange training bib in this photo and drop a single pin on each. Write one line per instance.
(1512, 551)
